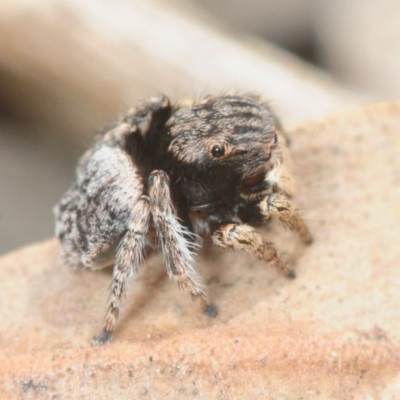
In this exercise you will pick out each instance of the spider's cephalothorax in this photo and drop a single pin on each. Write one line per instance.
(175, 173)
(217, 149)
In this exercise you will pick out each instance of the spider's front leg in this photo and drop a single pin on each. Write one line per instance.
(243, 237)
(278, 205)
(129, 257)
(174, 241)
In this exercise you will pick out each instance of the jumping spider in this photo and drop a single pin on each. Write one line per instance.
(165, 176)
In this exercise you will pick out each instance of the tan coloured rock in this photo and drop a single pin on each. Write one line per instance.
(333, 333)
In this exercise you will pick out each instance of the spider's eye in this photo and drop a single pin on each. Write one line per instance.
(218, 150)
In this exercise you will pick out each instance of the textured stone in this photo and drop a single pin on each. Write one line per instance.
(333, 333)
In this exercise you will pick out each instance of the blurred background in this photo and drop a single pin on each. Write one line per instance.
(67, 67)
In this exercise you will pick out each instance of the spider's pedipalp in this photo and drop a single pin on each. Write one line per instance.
(244, 237)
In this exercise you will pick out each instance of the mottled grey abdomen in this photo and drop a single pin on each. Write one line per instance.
(94, 213)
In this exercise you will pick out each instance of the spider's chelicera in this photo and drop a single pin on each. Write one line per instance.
(170, 175)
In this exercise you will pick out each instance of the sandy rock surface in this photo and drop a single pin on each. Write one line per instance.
(333, 333)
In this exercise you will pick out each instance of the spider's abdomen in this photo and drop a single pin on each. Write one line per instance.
(93, 214)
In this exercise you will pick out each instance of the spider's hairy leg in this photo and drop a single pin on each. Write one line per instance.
(278, 205)
(144, 119)
(129, 257)
(243, 237)
(148, 108)
(174, 241)
(150, 116)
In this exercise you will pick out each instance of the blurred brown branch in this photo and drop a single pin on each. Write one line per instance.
(73, 65)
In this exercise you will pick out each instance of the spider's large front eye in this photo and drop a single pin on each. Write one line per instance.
(218, 150)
